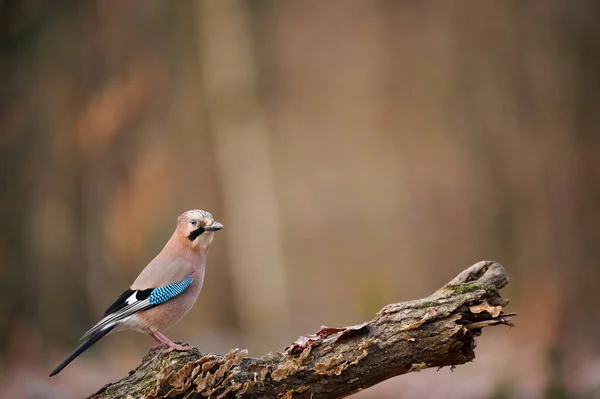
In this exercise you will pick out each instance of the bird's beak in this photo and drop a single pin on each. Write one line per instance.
(215, 226)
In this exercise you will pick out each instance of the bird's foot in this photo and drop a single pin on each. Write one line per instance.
(171, 346)
(158, 346)
(176, 347)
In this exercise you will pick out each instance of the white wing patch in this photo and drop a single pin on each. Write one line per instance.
(132, 299)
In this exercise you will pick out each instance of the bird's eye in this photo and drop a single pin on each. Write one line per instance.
(193, 222)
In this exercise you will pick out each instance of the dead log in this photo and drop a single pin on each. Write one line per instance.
(436, 331)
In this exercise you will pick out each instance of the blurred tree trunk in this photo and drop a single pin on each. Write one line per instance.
(44, 173)
(528, 82)
(245, 168)
(70, 144)
(582, 46)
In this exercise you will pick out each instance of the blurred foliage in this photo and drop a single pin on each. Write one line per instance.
(504, 390)
(556, 388)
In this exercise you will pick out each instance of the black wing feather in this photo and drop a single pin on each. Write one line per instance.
(121, 301)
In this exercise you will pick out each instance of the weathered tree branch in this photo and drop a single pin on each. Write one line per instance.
(436, 331)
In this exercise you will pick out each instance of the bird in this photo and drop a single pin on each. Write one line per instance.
(165, 290)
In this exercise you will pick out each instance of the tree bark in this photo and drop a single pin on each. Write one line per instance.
(436, 331)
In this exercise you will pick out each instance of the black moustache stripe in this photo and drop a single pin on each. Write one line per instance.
(194, 234)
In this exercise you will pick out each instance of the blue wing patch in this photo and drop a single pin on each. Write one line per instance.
(163, 294)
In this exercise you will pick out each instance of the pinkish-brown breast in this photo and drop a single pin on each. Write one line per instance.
(171, 312)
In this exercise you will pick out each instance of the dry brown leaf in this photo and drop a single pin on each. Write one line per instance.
(494, 311)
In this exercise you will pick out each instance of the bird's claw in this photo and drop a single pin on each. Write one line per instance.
(158, 346)
(176, 347)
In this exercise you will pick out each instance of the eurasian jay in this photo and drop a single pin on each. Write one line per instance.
(164, 291)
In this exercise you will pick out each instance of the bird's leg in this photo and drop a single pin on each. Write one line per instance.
(157, 336)
(172, 346)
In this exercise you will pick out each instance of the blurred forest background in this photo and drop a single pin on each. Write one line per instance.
(357, 152)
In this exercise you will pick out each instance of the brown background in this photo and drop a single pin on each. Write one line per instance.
(357, 152)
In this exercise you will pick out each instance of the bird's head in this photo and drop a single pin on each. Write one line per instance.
(197, 227)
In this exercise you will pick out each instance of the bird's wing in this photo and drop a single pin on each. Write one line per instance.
(131, 302)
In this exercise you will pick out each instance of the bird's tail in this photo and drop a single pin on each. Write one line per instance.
(81, 348)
